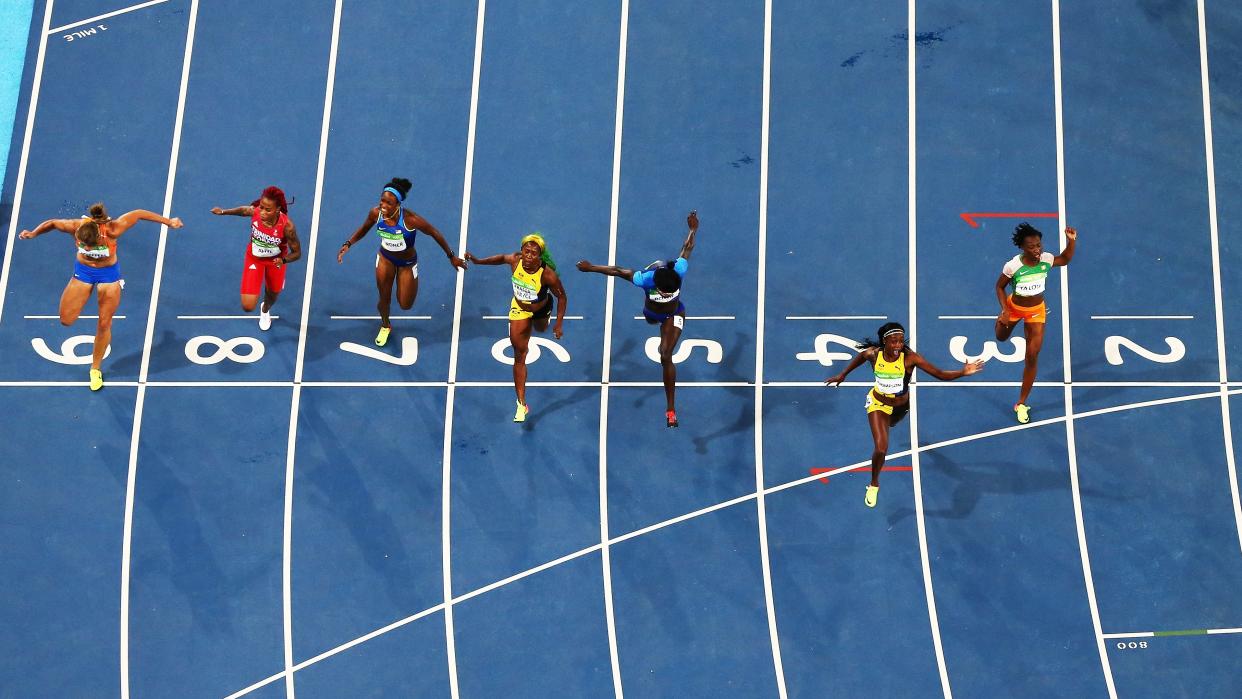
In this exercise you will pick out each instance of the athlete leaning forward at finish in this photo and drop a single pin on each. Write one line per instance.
(397, 261)
(535, 282)
(663, 307)
(888, 401)
(273, 244)
(1028, 272)
(96, 269)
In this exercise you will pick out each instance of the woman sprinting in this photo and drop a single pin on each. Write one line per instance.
(888, 401)
(273, 244)
(661, 281)
(535, 282)
(97, 269)
(397, 260)
(1028, 272)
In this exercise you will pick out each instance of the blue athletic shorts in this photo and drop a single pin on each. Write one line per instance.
(654, 318)
(96, 275)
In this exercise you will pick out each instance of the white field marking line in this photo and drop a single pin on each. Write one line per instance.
(912, 256)
(805, 480)
(377, 317)
(96, 18)
(507, 317)
(1213, 632)
(20, 188)
(991, 317)
(299, 364)
(615, 384)
(697, 318)
(614, 657)
(836, 317)
(760, 319)
(1222, 363)
(446, 454)
(79, 317)
(250, 317)
(148, 339)
(1071, 447)
(1142, 317)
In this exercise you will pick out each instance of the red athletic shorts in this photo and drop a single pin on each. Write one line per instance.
(260, 271)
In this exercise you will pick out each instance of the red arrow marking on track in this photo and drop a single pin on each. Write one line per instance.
(860, 469)
(970, 216)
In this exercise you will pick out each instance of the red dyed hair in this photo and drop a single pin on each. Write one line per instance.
(277, 195)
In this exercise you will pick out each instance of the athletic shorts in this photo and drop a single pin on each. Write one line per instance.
(873, 404)
(654, 318)
(516, 312)
(96, 275)
(397, 261)
(259, 272)
(1031, 314)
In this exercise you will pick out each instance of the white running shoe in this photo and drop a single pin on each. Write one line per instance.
(265, 319)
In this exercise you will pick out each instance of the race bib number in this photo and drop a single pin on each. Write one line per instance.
(889, 386)
(393, 244)
(679, 322)
(1030, 287)
(260, 250)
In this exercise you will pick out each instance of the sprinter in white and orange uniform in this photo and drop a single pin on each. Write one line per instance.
(273, 244)
(1028, 272)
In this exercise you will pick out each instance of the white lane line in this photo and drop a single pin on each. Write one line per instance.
(912, 256)
(760, 318)
(96, 18)
(148, 339)
(37, 83)
(1188, 632)
(991, 317)
(836, 317)
(83, 317)
(507, 317)
(1068, 392)
(1142, 317)
(446, 454)
(805, 480)
(377, 317)
(1221, 356)
(697, 318)
(299, 364)
(606, 370)
(253, 317)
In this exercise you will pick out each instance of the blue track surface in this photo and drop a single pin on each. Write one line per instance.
(296, 512)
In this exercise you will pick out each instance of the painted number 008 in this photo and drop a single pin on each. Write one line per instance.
(1131, 645)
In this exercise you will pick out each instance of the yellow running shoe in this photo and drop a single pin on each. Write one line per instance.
(520, 415)
(1023, 411)
(382, 338)
(873, 494)
(96, 379)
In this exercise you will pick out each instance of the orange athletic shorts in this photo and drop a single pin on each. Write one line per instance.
(1031, 314)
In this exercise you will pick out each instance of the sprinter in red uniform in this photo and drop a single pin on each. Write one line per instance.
(273, 244)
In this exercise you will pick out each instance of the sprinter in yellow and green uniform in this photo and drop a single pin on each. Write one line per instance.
(888, 401)
(535, 282)
(1028, 273)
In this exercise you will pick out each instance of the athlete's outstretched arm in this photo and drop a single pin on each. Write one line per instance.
(916, 361)
(1071, 239)
(610, 270)
(493, 260)
(235, 211)
(687, 247)
(372, 217)
(414, 221)
(863, 356)
(123, 222)
(64, 225)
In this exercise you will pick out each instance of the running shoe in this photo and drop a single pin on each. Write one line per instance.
(520, 415)
(382, 338)
(265, 319)
(1023, 412)
(96, 379)
(671, 417)
(873, 494)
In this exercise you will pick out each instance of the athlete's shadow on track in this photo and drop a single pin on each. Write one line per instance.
(979, 479)
(582, 395)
